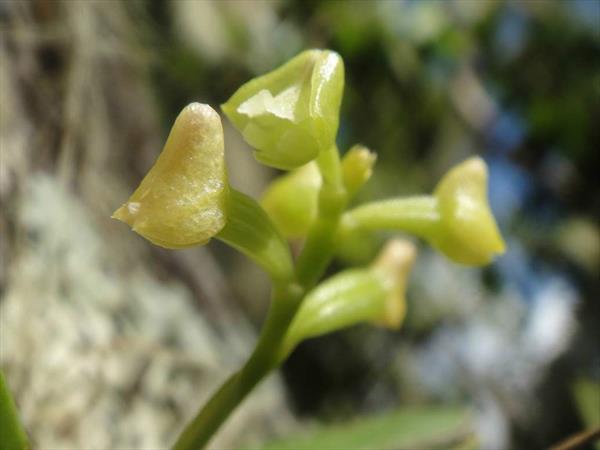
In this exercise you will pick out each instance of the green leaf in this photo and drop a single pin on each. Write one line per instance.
(12, 436)
(413, 428)
(587, 398)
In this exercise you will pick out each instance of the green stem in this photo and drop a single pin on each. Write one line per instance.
(12, 435)
(321, 239)
(416, 215)
(284, 304)
(245, 231)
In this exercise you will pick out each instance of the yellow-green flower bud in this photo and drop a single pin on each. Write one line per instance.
(456, 219)
(181, 201)
(468, 233)
(185, 198)
(394, 265)
(357, 168)
(292, 200)
(375, 294)
(292, 113)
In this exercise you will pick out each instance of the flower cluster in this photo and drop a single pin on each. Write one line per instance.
(290, 117)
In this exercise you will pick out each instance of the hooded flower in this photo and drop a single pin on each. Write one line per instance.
(181, 201)
(467, 232)
(456, 220)
(292, 113)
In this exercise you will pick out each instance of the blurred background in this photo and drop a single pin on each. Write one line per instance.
(109, 342)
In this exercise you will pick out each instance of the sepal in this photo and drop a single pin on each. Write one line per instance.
(250, 230)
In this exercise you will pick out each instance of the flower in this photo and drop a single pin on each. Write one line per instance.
(181, 201)
(467, 232)
(456, 220)
(292, 113)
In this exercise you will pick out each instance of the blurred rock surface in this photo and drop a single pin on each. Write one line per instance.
(106, 342)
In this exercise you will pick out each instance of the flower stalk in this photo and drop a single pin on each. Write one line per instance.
(263, 360)
(319, 247)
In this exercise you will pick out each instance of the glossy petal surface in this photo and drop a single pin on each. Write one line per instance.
(468, 233)
(181, 201)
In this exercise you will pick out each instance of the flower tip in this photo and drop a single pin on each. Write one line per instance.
(395, 263)
(397, 257)
(361, 156)
(475, 165)
(198, 118)
(127, 213)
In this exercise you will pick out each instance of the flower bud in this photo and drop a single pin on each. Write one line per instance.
(181, 201)
(292, 113)
(467, 232)
(292, 200)
(375, 294)
(357, 168)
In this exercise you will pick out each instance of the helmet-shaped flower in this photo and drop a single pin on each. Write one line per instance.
(182, 199)
(292, 113)
(467, 232)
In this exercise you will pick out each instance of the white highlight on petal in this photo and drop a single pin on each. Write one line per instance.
(282, 105)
